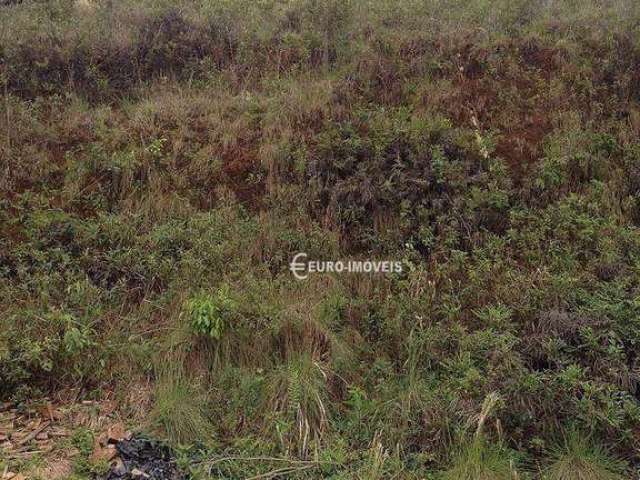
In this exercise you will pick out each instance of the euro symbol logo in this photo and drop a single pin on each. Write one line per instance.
(297, 266)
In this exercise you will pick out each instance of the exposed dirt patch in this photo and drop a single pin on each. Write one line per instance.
(508, 90)
(43, 431)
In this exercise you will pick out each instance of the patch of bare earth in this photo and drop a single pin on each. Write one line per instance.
(35, 440)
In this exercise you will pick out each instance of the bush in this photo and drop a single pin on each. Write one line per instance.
(212, 315)
(161, 164)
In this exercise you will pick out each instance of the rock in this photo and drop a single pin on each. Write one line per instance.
(58, 432)
(135, 473)
(100, 454)
(116, 433)
(118, 468)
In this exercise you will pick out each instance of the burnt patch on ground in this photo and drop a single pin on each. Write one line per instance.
(141, 458)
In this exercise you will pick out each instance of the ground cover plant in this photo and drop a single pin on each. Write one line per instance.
(161, 163)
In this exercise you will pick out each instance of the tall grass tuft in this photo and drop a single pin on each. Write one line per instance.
(299, 401)
(179, 409)
(481, 460)
(578, 459)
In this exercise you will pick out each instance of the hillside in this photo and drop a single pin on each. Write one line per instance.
(161, 164)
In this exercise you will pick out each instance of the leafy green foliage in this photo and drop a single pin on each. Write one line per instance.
(163, 162)
(211, 315)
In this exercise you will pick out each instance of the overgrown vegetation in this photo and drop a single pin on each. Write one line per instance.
(162, 162)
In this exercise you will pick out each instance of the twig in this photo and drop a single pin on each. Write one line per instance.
(8, 114)
(34, 434)
(269, 459)
(295, 464)
(21, 455)
(280, 471)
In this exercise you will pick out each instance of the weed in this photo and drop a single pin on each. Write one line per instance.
(481, 460)
(210, 316)
(577, 458)
(179, 409)
(162, 162)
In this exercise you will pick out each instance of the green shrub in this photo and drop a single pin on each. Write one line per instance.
(212, 315)
(162, 162)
